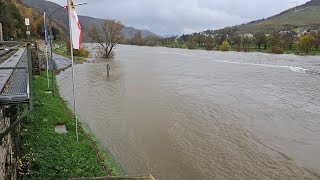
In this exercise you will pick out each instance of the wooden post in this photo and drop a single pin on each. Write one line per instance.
(1, 32)
(108, 69)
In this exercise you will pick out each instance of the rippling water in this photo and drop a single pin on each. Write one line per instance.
(192, 114)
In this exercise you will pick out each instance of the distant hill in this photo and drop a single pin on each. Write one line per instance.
(307, 16)
(61, 18)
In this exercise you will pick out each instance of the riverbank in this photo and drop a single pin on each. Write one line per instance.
(48, 155)
(62, 51)
(251, 49)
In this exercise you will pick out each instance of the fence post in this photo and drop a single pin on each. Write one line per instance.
(30, 76)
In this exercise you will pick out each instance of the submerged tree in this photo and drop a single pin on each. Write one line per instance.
(108, 36)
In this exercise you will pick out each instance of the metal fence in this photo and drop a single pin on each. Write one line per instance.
(16, 82)
(18, 88)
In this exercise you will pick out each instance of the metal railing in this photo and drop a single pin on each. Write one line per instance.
(18, 87)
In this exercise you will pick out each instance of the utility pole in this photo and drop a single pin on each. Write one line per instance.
(1, 32)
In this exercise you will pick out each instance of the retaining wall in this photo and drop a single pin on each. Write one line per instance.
(8, 148)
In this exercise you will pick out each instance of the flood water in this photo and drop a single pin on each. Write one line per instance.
(193, 114)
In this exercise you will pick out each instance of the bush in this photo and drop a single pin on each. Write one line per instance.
(191, 45)
(225, 46)
(82, 52)
(277, 50)
(151, 43)
(306, 43)
(209, 46)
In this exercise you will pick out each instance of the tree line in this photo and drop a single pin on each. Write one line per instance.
(275, 42)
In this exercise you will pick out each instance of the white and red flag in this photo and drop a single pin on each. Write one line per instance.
(75, 27)
(75, 39)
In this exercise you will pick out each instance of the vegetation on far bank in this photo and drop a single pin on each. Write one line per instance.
(48, 155)
(281, 42)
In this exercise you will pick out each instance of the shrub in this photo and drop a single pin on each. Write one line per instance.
(225, 46)
(82, 52)
(277, 50)
(151, 43)
(209, 46)
(192, 45)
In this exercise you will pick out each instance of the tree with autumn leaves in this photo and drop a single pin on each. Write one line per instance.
(12, 16)
(306, 43)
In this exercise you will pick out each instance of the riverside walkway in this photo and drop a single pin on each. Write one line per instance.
(14, 79)
(61, 62)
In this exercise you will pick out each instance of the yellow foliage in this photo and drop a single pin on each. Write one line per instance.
(225, 46)
(27, 12)
(306, 43)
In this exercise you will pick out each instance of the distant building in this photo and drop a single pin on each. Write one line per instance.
(282, 33)
(308, 31)
(248, 35)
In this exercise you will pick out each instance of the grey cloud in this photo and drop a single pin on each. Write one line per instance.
(182, 16)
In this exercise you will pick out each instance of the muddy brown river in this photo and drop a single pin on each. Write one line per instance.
(193, 114)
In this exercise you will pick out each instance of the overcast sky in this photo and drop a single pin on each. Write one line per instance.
(175, 17)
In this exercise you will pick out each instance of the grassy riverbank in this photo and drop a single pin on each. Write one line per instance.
(63, 52)
(250, 49)
(48, 155)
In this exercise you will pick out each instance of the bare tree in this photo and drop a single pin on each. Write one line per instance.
(108, 36)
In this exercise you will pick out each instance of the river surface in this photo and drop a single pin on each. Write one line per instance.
(193, 114)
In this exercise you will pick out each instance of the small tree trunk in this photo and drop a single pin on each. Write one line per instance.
(110, 51)
(106, 52)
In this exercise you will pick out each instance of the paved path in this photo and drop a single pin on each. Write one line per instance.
(61, 62)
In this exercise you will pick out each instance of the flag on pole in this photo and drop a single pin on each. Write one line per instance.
(76, 31)
(75, 39)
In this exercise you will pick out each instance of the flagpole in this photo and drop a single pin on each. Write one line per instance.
(72, 67)
(46, 42)
(47, 66)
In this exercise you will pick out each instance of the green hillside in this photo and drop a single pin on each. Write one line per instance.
(305, 18)
(300, 18)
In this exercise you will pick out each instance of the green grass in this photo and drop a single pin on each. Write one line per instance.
(63, 52)
(251, 49)
(47, 155)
